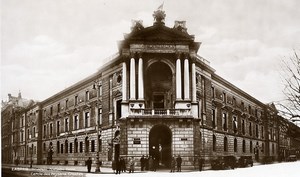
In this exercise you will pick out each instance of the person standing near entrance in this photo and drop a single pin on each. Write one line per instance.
(131, 165)
(88, 163)
(142, 160)
(173, 164)
(200, 163)
(178, 161)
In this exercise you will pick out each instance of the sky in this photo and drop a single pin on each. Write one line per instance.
(48, 45)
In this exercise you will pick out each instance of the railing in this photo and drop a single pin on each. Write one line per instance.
(175, 112)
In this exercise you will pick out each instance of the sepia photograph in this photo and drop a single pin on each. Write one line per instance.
(154, 88)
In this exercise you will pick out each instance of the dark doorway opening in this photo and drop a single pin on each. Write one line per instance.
(160, 143)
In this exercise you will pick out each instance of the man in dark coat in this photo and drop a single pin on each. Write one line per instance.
(200, 163)
(88, 163)
(142, 160)
(118, 166)
(147, 163)
(178, 161)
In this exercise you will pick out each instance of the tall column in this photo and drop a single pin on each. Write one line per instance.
(186, 80)
(141, 80)
(178, 79)
(124, 82)
(194, 83)
(132, 79)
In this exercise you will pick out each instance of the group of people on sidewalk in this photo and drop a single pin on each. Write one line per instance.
(119, 165)
(176, 162)
(148, 163)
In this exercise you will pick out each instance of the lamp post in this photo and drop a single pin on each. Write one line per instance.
(96, 87)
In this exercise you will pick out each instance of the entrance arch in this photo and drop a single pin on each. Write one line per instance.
(160, 144)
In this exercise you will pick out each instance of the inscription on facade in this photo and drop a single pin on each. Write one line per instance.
(158, 48)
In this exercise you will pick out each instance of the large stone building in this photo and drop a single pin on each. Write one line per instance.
(156, 97)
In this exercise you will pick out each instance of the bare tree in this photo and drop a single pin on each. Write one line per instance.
(290, 107)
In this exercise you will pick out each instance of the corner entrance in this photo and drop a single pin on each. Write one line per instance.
(160, 142)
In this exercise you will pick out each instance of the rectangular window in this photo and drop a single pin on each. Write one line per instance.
(234, 124)
(100, 90)
(71, 148)
(51, 110)
(87, 119)
(243, 127)
(234, 101)
(76, 100)
(76, 122)
(58, 107)
(100, 116)
(67, 101)
(93, 146)
(33, 132)
(213, 92)
(256, 131)
(80, 147)
(250, 109)
(62, 148)
(45, 131)
(262, 132)
(51, 129)
(224, 97)
(250, 128)
(57, 128)
(224, 119)
(67, 124)
(213, 118)
(87, 96)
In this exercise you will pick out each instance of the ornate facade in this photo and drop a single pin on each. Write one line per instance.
(156, 97)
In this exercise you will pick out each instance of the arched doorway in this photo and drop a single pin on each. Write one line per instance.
(158, 84)
(160, 143)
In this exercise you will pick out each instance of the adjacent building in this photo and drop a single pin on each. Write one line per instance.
(155, 97)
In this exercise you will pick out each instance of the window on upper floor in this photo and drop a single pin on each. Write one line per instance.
(67, 103)
(58, 128)
(51, 110)
(87, 119)
(66, 124)
(224, 121)
(87, 96)
(234, 124)
(243, 126)
(76, 122)
(224, 97)
(213, 92)
(45, 131)
(213, 115)
(58, 107)
(76, 99)
(51, 129)
(250, 128)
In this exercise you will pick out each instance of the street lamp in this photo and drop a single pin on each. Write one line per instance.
(96, 86)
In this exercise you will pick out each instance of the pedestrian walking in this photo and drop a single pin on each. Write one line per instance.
(131, 165)
(178, 161)
(88, 163)
(150, 163)
(173, 164)
(200, 163)
(142, 160)
(147, 163)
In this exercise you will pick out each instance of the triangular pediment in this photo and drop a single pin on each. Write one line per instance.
(159, 33)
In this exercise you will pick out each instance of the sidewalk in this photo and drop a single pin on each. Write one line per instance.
(69, 168)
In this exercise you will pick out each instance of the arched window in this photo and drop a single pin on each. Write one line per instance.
(75, 145)
(214, 142)
(235, 145)
(87, 144)
(244, 146)
(225, 144)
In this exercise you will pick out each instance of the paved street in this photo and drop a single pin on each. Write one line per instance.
(289, 169)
